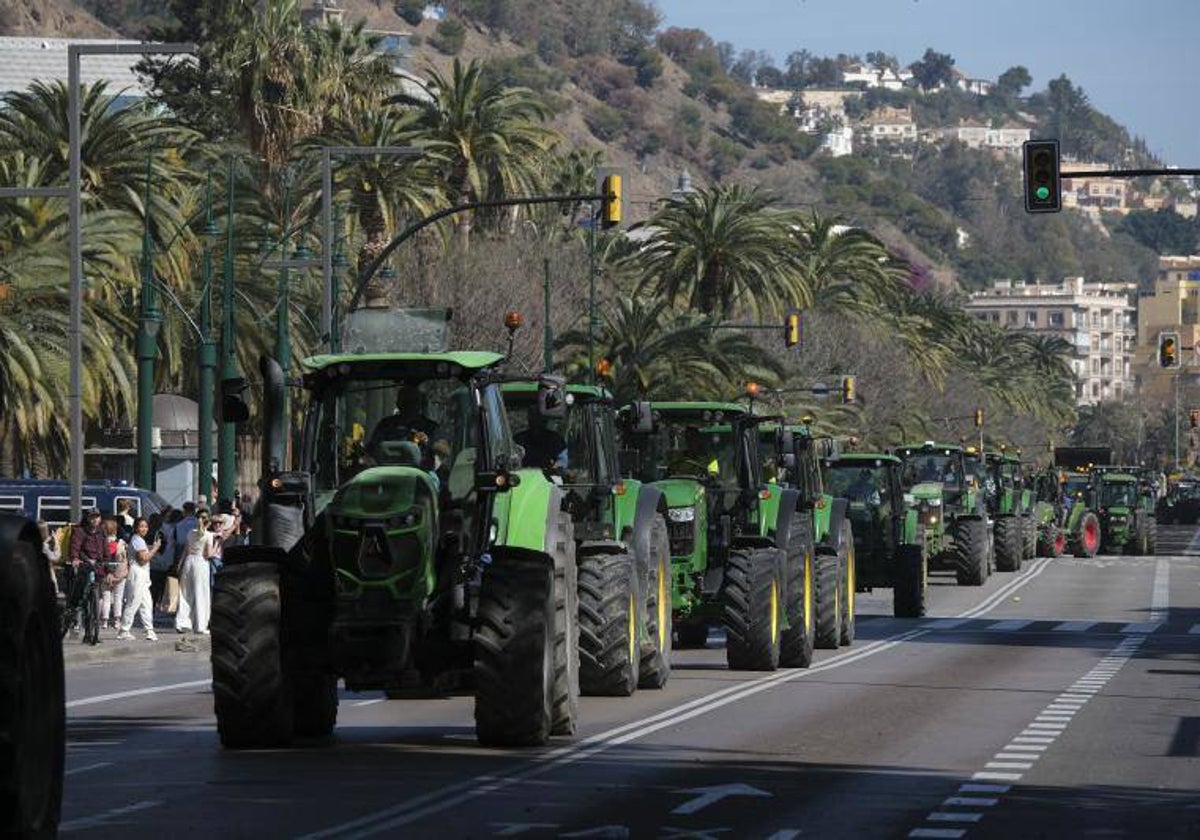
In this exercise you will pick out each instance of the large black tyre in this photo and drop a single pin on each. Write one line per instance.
(827, 570)
(1030, 532)
(798, 640)
(655, 667)
(692, 634)
(1151, 535)
(314, 704)
(514, 653)
(565, 708)
(252, 695)
(608, 627)
(849, 585)
(32, 703)
(1087, 535)
(1010, 543)
(970, 550)
(753, 608)
(910, 582)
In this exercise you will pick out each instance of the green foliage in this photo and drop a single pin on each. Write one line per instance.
(449, 37)
(522, 71)
(933, 69)
(1162, 231)
(606, 123)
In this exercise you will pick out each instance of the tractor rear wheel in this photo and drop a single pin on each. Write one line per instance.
(1087, 537)
(908, 592)
(515, 654)
(252, 694)
(797, 642)
(849, 585)
(1010, 544)
(1030, 532)
(752, 599)
(970, 548)
(565, 709)
(32, 710)
(655, 667)
(827, 571)
(608, 625)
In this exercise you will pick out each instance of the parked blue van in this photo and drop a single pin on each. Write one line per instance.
(50, 499)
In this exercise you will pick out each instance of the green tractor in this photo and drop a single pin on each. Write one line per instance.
(1079, 519)
(406, 551)
(621, 547)
(1010, 506)
(1048, 513)
(794, 456)
(1127, 525)
(890, 540)
(737, 546)
(947, 494)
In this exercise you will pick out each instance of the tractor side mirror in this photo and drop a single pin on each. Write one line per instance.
(552, 398)
(643, 417)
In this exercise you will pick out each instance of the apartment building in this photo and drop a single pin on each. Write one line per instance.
(1172, 304)
(1097, 320)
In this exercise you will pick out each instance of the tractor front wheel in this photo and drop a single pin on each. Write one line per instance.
(1010, 544)
(1087, 537)
(908, 594)
(608, 627)
(970, 547)
(849, 585)
(655, 667)
(753, 608)
(827, 571)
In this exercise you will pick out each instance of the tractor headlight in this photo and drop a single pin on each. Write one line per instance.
(681, 514)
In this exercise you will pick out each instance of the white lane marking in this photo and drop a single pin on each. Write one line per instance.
(452, 796)
(1032, 739)
(969, 788)
(938, 833)
(1142, 627)
(100, 819)
(1054, 727)
(1010, 624)
(1160, 595)
(998, 777)
(362, 703)
(970, 802)
(997, 597)
(1015, 746)
(1075, 626)
(1016, 756)
(137, 692)
(949, 816)
(1064, 708)
(1008, 765)
(87, 768)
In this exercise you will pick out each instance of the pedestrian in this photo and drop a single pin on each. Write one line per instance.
(183, 528)
(86, 554)
(195, 585)
(112, 592)
(125, 519)
(140, 602)
(51, 550)
(162, 526)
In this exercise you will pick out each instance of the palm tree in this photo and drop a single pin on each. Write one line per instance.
(723, 251)
(657, 351)
(493, 138)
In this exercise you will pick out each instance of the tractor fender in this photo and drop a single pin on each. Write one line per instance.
(832, 541)
(650, 501)
(533, 514)
(789, 499)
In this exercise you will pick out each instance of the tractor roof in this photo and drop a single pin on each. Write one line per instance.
(587, 392)
(1118, 478)
(1006, 457)
(862, 458)
(930, 447)
(700, 408)
(457, 364)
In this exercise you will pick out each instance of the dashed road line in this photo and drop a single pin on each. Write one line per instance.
(100, 819)
(1024, 750)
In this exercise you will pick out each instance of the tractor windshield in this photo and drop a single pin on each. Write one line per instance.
(857, 481)
(678, 448)
(566, 446)
(936, 466)
(1118, 495)
(432, 424)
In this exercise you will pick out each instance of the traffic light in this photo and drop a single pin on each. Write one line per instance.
(979, 418)
(610, 209)
(1168, 349)
(1043, 189)
(848, 392)
(1194, 417)
(792, 330)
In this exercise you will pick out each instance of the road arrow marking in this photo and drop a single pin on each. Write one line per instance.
(714, 794)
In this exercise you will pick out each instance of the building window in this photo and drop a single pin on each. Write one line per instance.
(1031, 318)
(1056, 319)
(1012, 317)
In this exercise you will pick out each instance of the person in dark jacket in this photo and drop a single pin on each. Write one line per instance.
(88, 545)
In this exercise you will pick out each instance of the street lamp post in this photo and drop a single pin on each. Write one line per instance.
(208, 351)
(149, 322)
(226, 431)
(75, 219)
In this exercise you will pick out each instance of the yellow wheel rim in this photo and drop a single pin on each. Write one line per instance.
(808, 615)
(850, 587)
(632, 629)
(774, 611)
(662, 606)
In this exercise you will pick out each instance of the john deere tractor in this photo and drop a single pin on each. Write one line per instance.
(1079, 520)
(404, 551)
(792, 455)
(737, 548)
(621, 545)
(1126, 525)
(950, 502)
(1010, 506)
(889, 532)
(1048, 513)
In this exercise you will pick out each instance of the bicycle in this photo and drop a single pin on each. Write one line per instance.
(82, 608)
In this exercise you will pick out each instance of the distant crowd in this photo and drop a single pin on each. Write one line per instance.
(146, 571)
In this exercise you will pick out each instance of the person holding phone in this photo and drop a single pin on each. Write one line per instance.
(138, 598)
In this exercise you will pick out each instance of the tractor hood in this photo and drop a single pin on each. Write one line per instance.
(382, 492)
(681, 492)
(927, 491)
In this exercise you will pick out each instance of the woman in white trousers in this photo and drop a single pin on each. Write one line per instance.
(138, 600)
(195, 586)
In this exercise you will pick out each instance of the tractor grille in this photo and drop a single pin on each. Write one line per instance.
(683, 537)
(370, 553)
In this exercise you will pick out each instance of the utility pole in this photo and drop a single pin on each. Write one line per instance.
(149, 322)
(208, 351)
(227, 431)
(547, 332)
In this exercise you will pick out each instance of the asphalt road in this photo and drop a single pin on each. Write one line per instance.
(1063, 701)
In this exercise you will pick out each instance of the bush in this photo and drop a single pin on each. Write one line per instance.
(412, 11)
(449, 37)
(606, 123)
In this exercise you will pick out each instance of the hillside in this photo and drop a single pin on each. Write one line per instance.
(656, 102)
(60, 18)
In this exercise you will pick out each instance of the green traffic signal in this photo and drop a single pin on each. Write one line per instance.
(1043, 193)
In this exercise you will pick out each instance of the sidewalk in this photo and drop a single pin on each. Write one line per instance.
(75, 652)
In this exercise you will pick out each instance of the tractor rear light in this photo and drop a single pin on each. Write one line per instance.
(276, 484)
(764, 494)
(619, 489)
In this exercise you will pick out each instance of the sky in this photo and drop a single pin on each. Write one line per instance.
(1138, 61)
